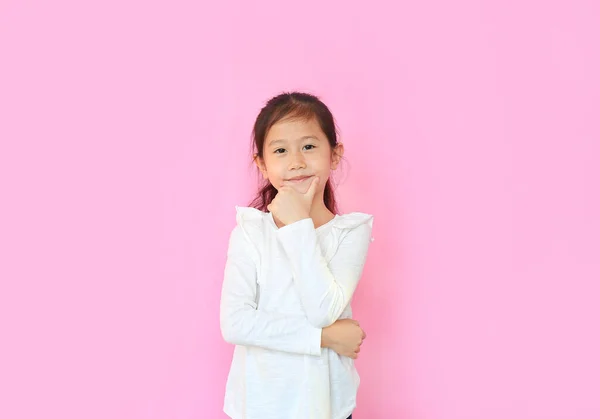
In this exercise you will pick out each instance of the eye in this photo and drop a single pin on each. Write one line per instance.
(309, 145)
(279, 151)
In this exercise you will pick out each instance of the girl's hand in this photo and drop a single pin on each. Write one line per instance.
(344, 337)
(290, 205)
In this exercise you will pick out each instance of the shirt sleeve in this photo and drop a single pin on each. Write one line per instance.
(243, 323)
(325, 290)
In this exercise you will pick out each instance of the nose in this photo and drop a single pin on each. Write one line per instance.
(297, 161)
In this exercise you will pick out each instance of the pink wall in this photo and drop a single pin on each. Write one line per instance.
(472, 133)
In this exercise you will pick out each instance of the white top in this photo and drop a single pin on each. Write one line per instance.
(281, 287)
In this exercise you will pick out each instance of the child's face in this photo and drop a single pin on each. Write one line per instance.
(298, 148)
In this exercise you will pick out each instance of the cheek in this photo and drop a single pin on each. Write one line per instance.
(270, 165)
(274, 172)
(275, 169)
(325, 163)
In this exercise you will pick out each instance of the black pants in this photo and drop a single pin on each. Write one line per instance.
(350, 417)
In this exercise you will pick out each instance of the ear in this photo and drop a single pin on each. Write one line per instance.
(261, 166)
(336, 155)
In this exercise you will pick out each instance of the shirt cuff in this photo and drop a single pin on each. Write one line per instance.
(292, 229)
(315, 342)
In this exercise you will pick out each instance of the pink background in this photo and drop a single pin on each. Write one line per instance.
(472, 133)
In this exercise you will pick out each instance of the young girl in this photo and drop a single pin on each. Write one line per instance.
(293, 264)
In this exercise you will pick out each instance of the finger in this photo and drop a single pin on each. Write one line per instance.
(312, 189)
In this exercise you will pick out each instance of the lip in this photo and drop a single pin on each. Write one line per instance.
(298, 178)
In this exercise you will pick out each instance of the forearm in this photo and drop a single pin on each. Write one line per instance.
(241, 320)
(250, 327)
(324, 289)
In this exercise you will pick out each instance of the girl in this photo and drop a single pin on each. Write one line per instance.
(292, 266)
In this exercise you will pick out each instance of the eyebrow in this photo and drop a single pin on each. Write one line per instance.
(306, 137)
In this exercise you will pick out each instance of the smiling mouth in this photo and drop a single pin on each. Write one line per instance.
(298, 179)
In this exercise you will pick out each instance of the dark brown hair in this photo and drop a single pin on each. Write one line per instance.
(292, 105)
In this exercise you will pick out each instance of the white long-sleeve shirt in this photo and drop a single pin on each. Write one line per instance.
(281, 287)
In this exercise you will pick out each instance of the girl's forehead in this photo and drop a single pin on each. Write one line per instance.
(294, 128)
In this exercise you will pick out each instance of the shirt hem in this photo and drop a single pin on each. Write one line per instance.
(231, 415)
(347, 413)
